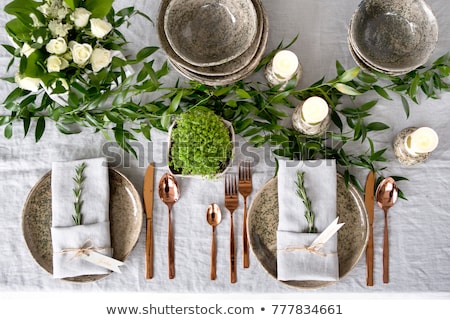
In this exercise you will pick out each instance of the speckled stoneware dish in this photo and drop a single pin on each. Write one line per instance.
(223, 69)
(126, 214)
(208, 33)
(352, 237)
(396, 35)
(363, 64)
(233, 77)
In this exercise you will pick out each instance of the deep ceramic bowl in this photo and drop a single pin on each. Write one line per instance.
(396, 35)
(223, 69)
(210, 32)
(232, 77)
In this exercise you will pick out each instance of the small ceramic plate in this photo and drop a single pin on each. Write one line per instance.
(352, 237)
(126, 214)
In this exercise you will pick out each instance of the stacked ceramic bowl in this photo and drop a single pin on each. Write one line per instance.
(392, 37)
(215, 42)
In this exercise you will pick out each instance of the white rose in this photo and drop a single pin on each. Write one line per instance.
(100, 58)
(56, 46)
(80, 53)
(27, 83)
(59, 29)
(100, 28)
(56, 64)
(80, 17)
(27, 50)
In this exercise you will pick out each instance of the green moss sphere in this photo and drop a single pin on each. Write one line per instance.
(200, 144)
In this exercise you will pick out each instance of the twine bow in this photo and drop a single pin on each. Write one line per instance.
(87, 247)
(314, 249)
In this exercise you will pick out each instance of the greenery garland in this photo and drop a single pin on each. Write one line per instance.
(254, 108)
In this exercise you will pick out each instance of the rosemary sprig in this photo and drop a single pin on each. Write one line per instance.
(78, 203)
(301, 192)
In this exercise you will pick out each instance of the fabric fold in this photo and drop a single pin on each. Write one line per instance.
(94, 232)
(294, 260)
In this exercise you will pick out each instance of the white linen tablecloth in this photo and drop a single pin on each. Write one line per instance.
(419, 237)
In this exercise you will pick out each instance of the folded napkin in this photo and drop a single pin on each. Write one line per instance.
(94, 232)
(294, 261)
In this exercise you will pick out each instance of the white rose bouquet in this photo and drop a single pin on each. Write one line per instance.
(60, 41)
(71, 48)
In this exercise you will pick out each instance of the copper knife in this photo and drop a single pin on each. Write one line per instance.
(148, 204)
(370, 203)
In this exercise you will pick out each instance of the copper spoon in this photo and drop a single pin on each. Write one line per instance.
(169, 192)
(214, 217)
(386, 195)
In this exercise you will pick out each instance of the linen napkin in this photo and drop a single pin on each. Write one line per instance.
(94, 232)
(294, 262)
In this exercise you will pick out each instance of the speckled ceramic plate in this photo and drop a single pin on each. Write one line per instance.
(352, 237)
(126, 214)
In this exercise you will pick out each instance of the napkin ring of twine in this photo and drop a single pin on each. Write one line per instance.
(87, 247)
(314, 249)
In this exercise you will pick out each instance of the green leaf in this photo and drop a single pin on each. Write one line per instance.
(8, 131)
(165, 120)
(145, 52)
(243, 94)
(346, 89)
(222, 91)
(40, 128)
(99, 8)
(175, 103)
(367, 78)
(368, 105)
(349, 74)
(26, 126)
(14, 95)
(72, 3)
(382, 92)
(405, 106)
(21, 6)
(377, 126)
(339, 68)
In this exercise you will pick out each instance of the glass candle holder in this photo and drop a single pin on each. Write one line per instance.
(282, 68)
(414, 145)
(312, 117)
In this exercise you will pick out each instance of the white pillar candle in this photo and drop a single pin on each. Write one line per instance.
(285, 64)
(314, 110)
(422, 140)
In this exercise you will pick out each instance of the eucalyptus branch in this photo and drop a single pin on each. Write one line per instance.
(301, 193)
(77, 191)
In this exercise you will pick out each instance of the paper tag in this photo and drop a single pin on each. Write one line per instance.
(102, 260)
(326, 234)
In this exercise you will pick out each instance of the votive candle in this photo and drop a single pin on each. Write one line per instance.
(314, 110)
(285, 64)
(422, 140)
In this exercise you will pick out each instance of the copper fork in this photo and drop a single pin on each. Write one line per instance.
(245, 188)
(231, 203)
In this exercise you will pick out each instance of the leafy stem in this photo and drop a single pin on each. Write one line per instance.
(77, 190)
(301, 192)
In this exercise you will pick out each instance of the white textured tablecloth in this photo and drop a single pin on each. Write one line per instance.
(419, 227)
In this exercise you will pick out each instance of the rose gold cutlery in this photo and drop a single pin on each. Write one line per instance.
(169, 192)
(245, 189)
(370, 204)
(214, 217)
(387, 194)
(148, 202)
(231, 203)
